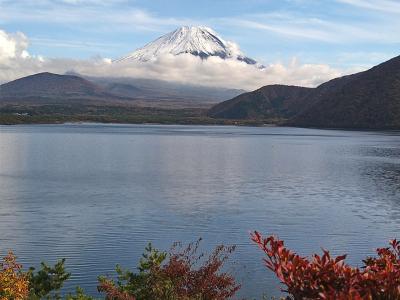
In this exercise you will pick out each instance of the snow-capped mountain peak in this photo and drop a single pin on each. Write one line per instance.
(196, 40)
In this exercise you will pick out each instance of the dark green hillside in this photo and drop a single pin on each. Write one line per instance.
(268, 102)
(369, 99)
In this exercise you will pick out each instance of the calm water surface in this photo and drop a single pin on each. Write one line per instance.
(96, 194)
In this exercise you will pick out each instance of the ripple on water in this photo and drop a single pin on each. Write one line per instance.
(96, 194)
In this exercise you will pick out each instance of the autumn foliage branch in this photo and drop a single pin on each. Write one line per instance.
(185, 273)
(326, 277)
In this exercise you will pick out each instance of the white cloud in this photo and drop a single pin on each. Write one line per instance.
(12, 46)
(387, 6)
(293, 26)
(15, 62)
(92, 2)
(87, 15)
(370, 24)
(227, 73)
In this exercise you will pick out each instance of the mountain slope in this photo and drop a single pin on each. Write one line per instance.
(273, 101)
(151, 89)
(198, 41)
(44, 87)
(369, 99)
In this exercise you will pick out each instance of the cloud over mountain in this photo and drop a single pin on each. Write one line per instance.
(12, 46)
(15, 62)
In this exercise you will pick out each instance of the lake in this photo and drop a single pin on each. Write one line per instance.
(97, 194)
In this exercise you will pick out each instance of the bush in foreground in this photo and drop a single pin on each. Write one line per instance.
(325, 277)
(185, 274)
(182, 274)
(14, 283)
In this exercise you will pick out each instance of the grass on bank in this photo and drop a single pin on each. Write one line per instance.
(55, 114)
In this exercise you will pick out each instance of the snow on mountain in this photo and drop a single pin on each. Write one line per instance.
(198, 41)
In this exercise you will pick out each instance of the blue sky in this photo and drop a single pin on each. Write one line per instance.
(345, 34)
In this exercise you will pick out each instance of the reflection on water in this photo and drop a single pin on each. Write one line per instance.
(96, 194)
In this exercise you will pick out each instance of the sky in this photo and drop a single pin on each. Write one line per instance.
(337, 36)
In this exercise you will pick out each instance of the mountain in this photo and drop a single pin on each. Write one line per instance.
(198, 41)
(124, 89)
(369, 99)
(45, 88)
(156, 91)
(268, 102)
(48, 87)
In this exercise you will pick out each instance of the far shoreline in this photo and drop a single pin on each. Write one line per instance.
(223, 124)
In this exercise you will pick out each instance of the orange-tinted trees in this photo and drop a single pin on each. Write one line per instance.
(13, 282)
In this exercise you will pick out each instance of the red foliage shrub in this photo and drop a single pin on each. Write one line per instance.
(112, 292)
(324, 277)
(181, 274)
(204, 282)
